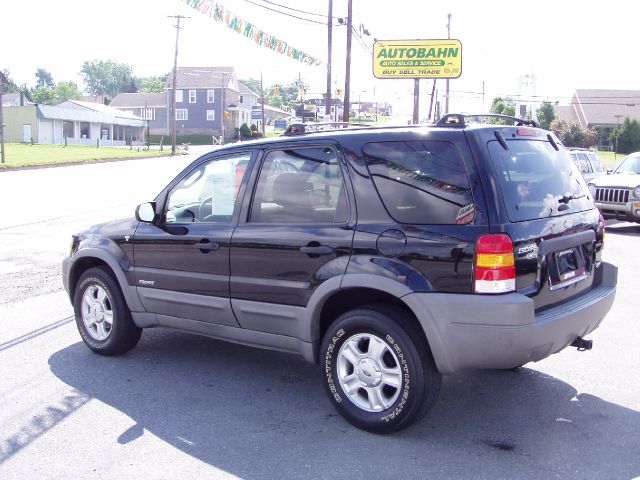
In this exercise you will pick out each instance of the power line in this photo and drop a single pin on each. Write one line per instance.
(361, 41)
(285, 13)
(295, 9)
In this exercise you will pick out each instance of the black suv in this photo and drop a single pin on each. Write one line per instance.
(389, 256)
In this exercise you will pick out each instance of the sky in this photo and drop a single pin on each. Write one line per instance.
(562, 45)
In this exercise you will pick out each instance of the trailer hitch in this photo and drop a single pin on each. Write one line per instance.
(581, 344)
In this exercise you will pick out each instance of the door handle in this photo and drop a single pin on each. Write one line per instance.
(317, 250)
(206, 246)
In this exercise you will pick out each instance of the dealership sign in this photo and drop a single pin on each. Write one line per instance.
(417, 58)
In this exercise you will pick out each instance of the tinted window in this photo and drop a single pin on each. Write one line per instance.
(302, 185)
(534, 177)
(421, 182)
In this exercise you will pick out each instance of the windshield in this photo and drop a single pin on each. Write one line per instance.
(537, 181)
(631, 164)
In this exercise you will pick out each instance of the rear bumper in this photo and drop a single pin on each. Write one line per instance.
(503, 331)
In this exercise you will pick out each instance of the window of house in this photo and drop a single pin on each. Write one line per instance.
(148, 113)
(301, 185)
(179, 96)
(85, 130)
(182, 114)
(211, 115)
(68, 130)
(241, 99)
(192, 96)
(210, 96)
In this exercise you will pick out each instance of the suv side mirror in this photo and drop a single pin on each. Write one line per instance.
(146, 212)
(609, 172)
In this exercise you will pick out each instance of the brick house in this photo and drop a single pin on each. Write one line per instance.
(602, 110)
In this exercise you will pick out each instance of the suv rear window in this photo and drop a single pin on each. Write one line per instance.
(536, 180)
(421, 182)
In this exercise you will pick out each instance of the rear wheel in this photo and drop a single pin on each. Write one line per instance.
(379, 372)
(102, 316)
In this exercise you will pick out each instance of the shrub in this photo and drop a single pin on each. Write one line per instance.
(245, 131)
(571, 134)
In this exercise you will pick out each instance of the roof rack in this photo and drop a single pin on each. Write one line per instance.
(304, 128)
(458, 119)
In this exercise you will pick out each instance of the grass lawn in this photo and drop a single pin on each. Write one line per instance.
(25, 154)
(610, 159)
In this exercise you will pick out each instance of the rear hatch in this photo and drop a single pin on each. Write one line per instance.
(547, 211)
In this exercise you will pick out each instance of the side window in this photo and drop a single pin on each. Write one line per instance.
(208, 193)
(301, 185)
(421, 182)
(595, 162)
(585, 164)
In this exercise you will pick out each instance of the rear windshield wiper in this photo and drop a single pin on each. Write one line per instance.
(568, 198)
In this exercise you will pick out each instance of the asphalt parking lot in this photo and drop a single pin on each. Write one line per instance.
(191, 407)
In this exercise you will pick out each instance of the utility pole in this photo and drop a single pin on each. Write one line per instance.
(224, 85)
(433, 93)
(301, 93)
(347, 73)
(2, 80)
(416, 101)
(615, 154)
(327, 107)
(262, 103)
(173, 94)
(446, 98)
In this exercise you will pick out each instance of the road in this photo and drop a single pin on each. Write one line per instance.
(181, 406)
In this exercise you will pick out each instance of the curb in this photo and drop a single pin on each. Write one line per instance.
(82, 162)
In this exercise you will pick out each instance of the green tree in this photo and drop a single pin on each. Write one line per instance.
(626, 138)
(275, 101)
(44, 78)
(502, 106)
(151, 84)
(106, 77)
(44, 96)
(9, 86)
(571, 134)
(546, 114)
(67, 90)
(253, 85)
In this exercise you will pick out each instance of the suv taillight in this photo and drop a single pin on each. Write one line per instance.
(495, 270)
(603, 227)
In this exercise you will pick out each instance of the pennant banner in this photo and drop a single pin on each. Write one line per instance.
(220, 14)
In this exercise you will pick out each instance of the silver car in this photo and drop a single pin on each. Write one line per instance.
(617, 194)
(587, 162)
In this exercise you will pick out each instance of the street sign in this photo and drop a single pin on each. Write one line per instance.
(417, 58)
(256, 114)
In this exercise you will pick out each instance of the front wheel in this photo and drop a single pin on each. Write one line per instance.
(378, 369)
(102, 316)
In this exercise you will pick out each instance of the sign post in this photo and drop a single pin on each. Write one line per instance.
(3, 80)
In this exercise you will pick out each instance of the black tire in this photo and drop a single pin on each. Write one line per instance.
(404, 349)
(104, 301)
